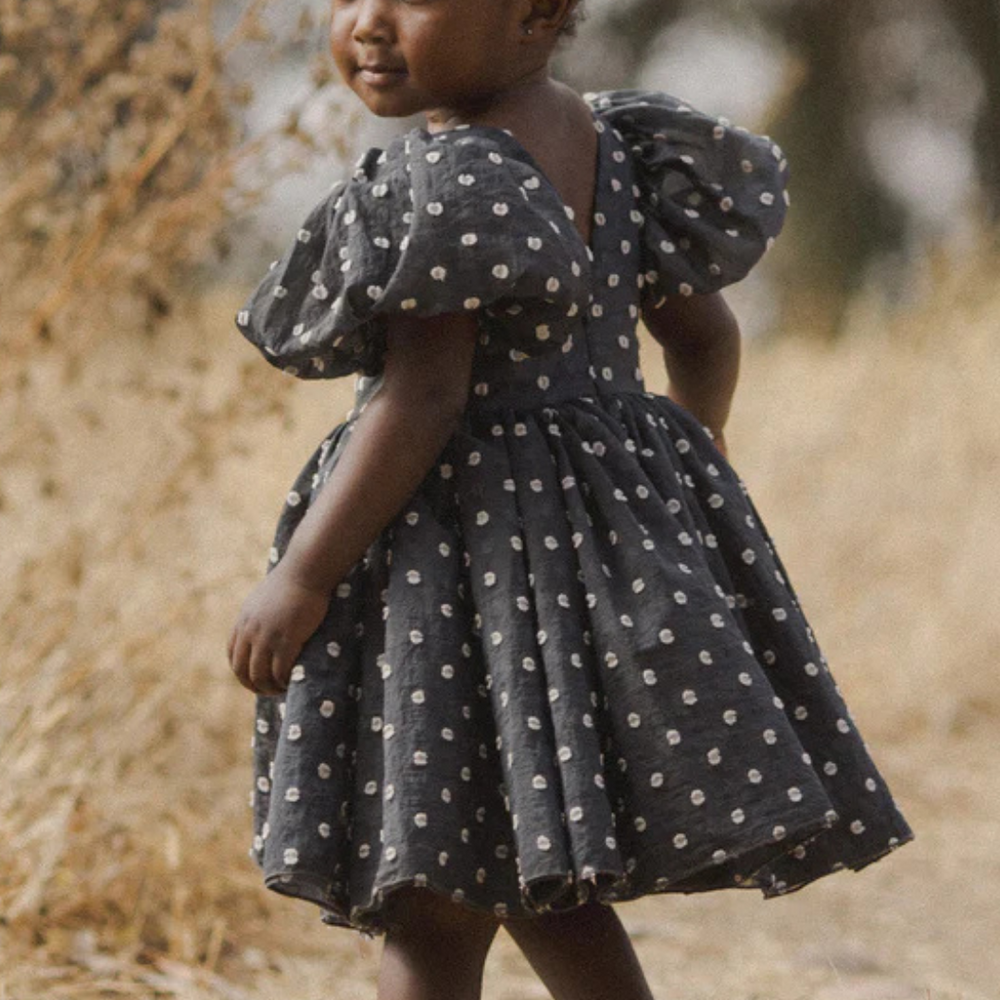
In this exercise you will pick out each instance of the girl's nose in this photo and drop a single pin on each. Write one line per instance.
(371, 22)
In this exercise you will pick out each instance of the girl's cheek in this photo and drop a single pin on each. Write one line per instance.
(341, 29)
(341, 54)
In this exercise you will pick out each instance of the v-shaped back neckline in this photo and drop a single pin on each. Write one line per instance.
(509, 139)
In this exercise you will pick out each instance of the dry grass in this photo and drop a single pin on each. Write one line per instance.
(139, 483)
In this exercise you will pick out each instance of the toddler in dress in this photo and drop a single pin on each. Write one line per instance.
(524, 648)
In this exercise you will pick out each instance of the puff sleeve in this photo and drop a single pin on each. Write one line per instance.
(713, 195)
(436, 223)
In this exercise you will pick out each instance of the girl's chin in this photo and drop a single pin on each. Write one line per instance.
(391, 106)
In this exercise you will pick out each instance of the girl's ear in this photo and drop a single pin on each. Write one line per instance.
(544, 19)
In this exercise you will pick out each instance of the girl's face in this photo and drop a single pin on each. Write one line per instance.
(438, 56)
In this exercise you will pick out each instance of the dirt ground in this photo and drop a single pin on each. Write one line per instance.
(139, 481)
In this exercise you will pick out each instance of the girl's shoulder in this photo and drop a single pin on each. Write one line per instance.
(440, 182)
(434, 223)
(713, 194)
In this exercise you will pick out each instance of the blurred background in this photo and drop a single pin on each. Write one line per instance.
(154, 156)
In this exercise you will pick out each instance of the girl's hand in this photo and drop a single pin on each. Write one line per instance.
(275, 621)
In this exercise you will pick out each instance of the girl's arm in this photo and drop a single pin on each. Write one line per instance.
(394, 444)
(701, 349)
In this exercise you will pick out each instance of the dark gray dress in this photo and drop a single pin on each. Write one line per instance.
(574, 665)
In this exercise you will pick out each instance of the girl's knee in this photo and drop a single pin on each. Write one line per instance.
(587, 922)
(416, 912)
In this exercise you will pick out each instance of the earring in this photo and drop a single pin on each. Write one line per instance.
(528, 30)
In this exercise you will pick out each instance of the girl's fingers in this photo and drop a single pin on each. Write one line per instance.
(261, 679)
(239, 657)
(281, 670)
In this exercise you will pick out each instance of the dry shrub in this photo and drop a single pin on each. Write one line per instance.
(114, 118)
(120, 132)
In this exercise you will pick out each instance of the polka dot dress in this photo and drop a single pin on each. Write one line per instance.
(574, 665)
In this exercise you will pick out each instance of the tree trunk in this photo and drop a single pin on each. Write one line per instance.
(641, 22)
(842, 216)
(978, 22)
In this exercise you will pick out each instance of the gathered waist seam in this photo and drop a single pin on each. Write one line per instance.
(584, 390)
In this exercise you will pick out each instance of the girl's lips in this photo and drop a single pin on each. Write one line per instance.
(381, 76)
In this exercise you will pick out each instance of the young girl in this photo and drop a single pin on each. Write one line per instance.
(525, 648)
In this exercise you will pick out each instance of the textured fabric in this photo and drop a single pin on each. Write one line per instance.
(574, 665)
(423, 228)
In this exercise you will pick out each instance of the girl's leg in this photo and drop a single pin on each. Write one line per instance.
(581, 954)
(434, 949)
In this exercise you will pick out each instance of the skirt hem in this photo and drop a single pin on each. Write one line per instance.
(567, 891)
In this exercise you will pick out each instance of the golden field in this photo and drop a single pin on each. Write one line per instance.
(140, 475)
